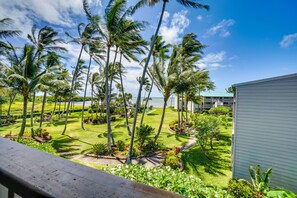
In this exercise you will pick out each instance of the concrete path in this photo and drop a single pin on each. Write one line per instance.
(151, 161)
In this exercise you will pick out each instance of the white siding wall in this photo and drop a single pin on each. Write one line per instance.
(266, 130)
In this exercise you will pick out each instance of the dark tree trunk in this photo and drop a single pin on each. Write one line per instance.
(9, 106)
(60, 101)
(146, 102)
(24, 116)
(32, 115)
(53, 112)
(71, 91)
(85, 94)
(112, 70)
(128, 161)
(178, 113)
(109, 135)
(162, 120)
(124, 99)
(42, 111)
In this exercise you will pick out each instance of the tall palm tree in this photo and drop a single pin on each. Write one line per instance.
(85, 34)
(94, 49)
(46, 40)
(115, 13)
(187, 3)
(24, 72)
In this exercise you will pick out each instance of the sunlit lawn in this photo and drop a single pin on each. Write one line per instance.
(79, 141)
(217, 170)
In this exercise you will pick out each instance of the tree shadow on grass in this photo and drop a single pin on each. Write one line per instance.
(152, 114)
(62, 122)
(218, 162)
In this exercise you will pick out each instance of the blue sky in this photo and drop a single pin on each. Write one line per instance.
(247, 40)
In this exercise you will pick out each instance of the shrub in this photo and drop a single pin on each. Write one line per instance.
(149, 147)
(172, 161)
(143, 132)
(46, 147)
(167, 179)
(220, 110)
(240, 188)
(100, 149)
(121, 145)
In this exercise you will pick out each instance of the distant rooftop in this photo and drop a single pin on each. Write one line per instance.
(216, 94)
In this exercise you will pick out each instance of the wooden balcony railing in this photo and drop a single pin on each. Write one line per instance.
(27, 172)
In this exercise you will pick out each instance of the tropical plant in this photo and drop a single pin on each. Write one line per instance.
(5, 33)
(260, 181)
(187, 3)
(142, 132)
(207, 127)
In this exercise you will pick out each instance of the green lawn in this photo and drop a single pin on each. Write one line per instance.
(217, 170)
(79, 141)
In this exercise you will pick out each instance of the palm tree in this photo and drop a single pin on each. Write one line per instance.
(94, 49)
(93, 81)
(187, 3)
(46, 40)
(85, 35)
(6, 33)
(24, 72)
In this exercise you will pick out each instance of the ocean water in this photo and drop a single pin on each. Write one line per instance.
(155, 102)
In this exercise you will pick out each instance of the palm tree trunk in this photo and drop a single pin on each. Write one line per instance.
(71, 90)
(84, 101)
(53, 112)
(145, 105)
(128, 161)
(9, 106)
(107, 102)
(24, 116)
(162, 119)
(182, 110)
(178, 113)
(124, 99)
(60, 101)
(65, 104)
(42, 111)
(31, 117)
(112, 70)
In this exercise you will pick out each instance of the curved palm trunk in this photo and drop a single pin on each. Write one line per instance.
(24, 116)
(162, 119)
(9, 107)
(146, 102)
(109, 135)
(71, 90)
(84, 101)
(128, 161)
(42, 111)
(31, 117)
(124, 99)
(187, 119)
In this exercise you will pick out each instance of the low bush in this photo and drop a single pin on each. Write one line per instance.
(121, 145)
(240, 188)
(46, 147)
(99, 149)
(167, 179)
(220, 110)
(172, 161)
(143, 132)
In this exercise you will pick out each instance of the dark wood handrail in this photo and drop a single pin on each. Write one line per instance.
(32, 173)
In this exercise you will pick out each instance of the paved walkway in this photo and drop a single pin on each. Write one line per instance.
(151, 161)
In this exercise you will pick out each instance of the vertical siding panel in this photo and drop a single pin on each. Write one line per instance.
(266, 130)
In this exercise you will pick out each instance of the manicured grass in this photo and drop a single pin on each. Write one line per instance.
(217, 170)
(79, 141)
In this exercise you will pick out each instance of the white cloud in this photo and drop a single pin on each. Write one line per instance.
(166, 16)
(221, 28)
(199, 17)
(171, 31)
(213, 60)
(288, 40)
(55, 12)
